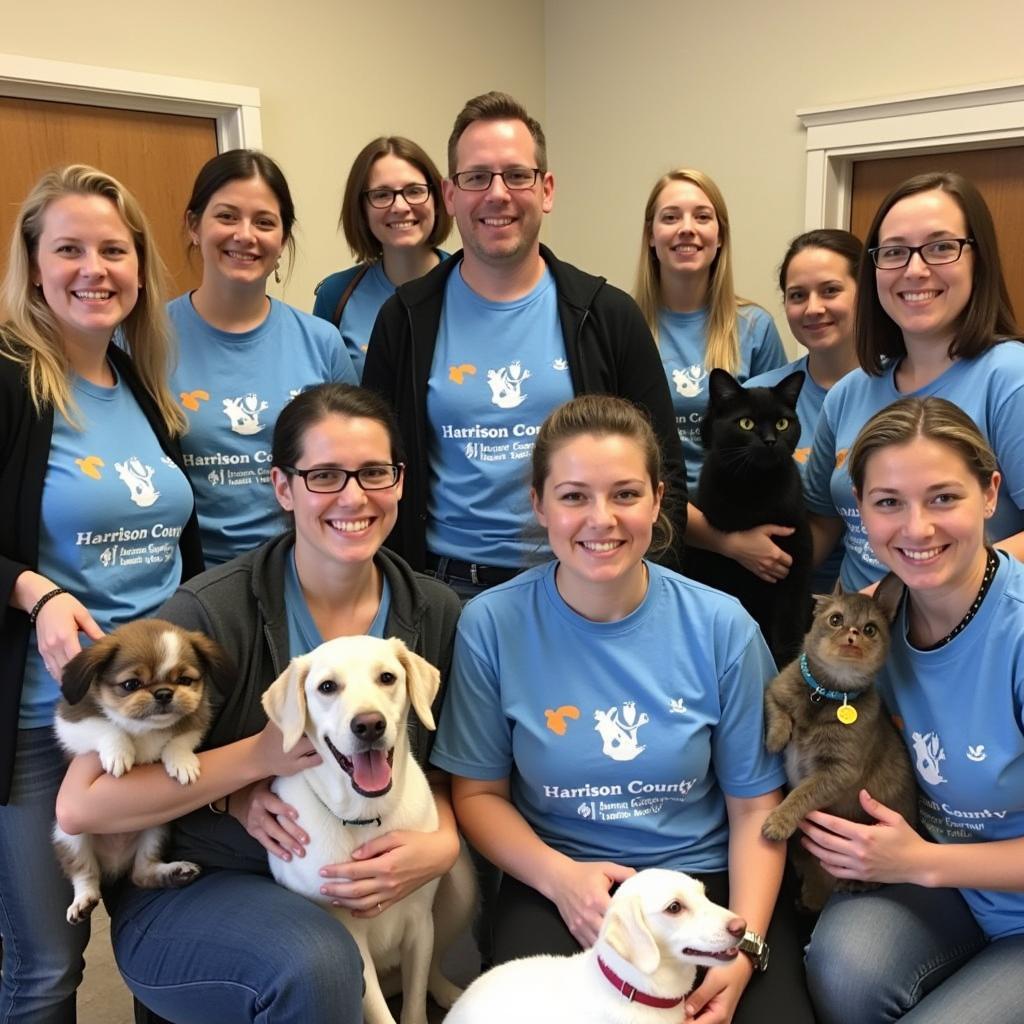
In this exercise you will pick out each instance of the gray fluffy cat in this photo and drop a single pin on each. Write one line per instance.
(833, 751)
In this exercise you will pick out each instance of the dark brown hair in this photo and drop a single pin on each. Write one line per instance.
(602, 416)
(842, 243)
(496, 106)
(987, 318)
(366, 248)
(938, 420)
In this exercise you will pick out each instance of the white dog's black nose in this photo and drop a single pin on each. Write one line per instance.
(164, 695)
(369, 726)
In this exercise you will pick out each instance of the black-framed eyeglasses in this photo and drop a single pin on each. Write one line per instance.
(382, 198)
(516, 179)
(935, 254)
(330, 479)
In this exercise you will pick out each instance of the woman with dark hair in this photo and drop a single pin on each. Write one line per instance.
(394, 221)
(818, 280)
(933, 318)
(97, 522)
(944, 939)
(577, 760)
(243, 355)
(234, 945)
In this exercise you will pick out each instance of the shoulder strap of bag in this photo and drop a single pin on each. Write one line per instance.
(347, 293)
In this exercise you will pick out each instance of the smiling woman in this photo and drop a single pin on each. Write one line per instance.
(932, 318)
(89, 465)
(242, 354)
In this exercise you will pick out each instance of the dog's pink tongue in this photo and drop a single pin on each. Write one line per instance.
(371, 771)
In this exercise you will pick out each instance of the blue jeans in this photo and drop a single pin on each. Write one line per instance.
(904, 953)
(43, 954)
(233, 947)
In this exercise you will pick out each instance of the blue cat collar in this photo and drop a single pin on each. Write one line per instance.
(819, 691)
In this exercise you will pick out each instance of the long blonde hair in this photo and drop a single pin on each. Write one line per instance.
(723, 347)
(30, 334)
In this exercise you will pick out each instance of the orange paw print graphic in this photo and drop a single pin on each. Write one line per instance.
(191, 399)
(556, 719)
(458, 373)
(841, 458)
(801, 454)
(90, 466)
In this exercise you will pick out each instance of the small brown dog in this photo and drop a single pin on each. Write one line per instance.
(136, 696)
(824, 710)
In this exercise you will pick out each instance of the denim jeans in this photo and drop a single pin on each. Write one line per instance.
(234, 947)
(43, 954)
(904, 953)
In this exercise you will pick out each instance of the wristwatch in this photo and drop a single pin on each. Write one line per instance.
(756, 948)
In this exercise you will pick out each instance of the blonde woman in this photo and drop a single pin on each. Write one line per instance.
(97, 522)
(685, 289)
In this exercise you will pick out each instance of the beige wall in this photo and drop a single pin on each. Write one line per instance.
(625, 92)
(332, 74)
(634, 89)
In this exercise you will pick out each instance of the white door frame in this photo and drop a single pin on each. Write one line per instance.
(236, 108)
(976, 117)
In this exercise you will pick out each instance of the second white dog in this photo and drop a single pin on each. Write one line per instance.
(351, 696)
(659, 928)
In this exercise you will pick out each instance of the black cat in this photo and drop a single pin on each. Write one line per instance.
(750, 479)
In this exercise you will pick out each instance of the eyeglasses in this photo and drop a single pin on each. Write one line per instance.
(935, 254)
(331, 479)
(516, 179)
(382, 198)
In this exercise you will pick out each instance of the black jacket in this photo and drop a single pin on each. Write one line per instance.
(607, 345)
(24, 455)
(241, 605)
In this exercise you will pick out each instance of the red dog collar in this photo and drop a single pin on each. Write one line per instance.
(634, 995)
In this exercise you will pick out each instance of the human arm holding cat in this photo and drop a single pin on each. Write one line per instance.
(891, 851)
(753, 549)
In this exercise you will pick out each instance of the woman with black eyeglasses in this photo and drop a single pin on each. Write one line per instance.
(932, 314)
(393, 220)
(234, 945)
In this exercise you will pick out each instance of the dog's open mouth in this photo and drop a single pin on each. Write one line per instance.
(724, 955)
(370, 770)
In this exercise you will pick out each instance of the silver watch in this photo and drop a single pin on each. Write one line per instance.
(756, 948)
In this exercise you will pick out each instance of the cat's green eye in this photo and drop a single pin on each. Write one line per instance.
(835, 619)
(870, 629)
(746, 423)
(782, 424)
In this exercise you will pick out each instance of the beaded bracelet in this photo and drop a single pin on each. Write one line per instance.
(34, 614)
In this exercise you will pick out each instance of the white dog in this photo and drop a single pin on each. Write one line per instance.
(659, 928)
(351, 696)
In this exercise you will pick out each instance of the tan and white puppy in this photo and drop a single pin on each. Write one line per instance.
(659, 928)
(136, 696)
(351, 697)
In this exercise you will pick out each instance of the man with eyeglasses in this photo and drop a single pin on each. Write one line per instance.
(474, 355)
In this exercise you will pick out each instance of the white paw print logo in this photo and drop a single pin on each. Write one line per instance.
(976, 753)
(677, 706)
(560, 364)
(585, 811)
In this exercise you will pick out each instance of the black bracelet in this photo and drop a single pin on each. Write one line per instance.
(220, 810)
(34, 614)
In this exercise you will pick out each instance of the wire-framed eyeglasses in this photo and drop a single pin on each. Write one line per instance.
(516, 179)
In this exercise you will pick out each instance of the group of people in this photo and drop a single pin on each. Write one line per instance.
(502, 385)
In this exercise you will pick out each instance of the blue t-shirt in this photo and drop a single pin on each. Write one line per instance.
(990, 389)
(620, 738)
(232, 387)
(808, 409)
(114, 505)
(682, 341)
(499, 368)
(961, 713)
(303, 634)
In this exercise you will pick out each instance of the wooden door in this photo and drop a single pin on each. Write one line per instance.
(999, 175)
(155, 155)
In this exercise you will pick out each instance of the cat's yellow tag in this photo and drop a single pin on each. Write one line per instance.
(847, 714)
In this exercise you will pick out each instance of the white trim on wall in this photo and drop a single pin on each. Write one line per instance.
(236, 108)
(976, 117)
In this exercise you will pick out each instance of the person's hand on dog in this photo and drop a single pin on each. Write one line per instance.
(756, 551)
(714, 1001)
(271, 757)
(887, 851)
(269, 820)
(580, 890)
(58, 625)
(388, 868)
